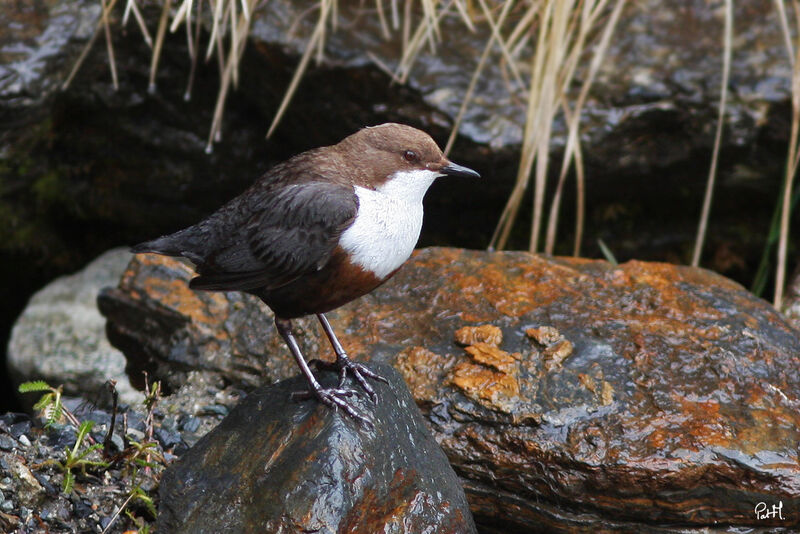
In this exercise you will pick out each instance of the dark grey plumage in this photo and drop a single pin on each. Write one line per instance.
(286, 225)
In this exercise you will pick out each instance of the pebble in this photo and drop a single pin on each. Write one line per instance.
(18, 429)
(7, 443)
(191, 424)
(24, 440)
(214, 409)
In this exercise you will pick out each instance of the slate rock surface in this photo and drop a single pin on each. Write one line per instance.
(279, 465)
(567, 393)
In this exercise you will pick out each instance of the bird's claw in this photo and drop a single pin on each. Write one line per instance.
(343, 365)
(334, 398)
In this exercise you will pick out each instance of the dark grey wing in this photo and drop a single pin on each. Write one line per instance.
(288, 233)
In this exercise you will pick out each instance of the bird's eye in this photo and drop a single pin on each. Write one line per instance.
(410, 156)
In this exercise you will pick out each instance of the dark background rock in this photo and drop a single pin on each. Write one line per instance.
(277, 465)
(637, 396)
(87, 169)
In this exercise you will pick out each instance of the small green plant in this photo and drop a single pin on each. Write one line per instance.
(49, 405)
(76, 457)
(52, 410)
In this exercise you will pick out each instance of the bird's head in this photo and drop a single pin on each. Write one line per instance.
(399, 160)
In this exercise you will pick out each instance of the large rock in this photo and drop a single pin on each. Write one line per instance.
(566, 393)
(277, 465)
(60, 337)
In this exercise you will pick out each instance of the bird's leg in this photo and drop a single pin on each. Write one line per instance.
(331, 397)
(344, 364)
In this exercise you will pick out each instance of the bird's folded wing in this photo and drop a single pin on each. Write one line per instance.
(289, 233)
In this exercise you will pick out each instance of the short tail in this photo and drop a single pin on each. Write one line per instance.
(181, 243)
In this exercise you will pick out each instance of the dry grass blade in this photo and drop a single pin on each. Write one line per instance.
(234, 56)
(572, 149)
(723, 97)
(160, 34)
(505, 49)
(195, 53)
(382, 18)
(301, 67)
(85, 52)
(529, 136)
(413, 46)
(131, 7)
(112, 64)
(217, 24)
(496, 37)
(791, 169)
(562, 31)
(183, 14)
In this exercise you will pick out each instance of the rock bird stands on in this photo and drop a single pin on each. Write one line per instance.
(317, 231)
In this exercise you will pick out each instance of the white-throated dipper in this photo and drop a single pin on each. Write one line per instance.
(317, 231)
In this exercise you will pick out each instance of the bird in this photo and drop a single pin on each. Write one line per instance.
(317, 231)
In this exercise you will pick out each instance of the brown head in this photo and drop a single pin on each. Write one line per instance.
(392, 150)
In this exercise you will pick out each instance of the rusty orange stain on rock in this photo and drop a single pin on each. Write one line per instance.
(544, 335)
(423, 370)
(557, 353)
(493, 389)
(704, 423)
(607, 393)
(177, 295)
(487, 333)
(557, 347)
(587, 382)
(492, 380)
(491, 356)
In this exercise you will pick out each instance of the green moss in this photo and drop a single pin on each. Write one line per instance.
(48, 189)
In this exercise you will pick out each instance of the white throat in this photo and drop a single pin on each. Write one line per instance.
(388, 223)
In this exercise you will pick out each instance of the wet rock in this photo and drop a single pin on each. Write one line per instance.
(276, 465)
(60, 337)
(617, 396)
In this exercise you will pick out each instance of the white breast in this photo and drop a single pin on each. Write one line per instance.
(388, 223)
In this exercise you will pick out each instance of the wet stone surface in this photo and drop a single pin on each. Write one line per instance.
(277, 465)
(566, 393)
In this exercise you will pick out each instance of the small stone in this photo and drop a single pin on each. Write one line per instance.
(191, 424)
(18, 429)
(166, 438)
(7, 443)
(23, 439)
(135, 435)
(116, 439)
(7, 506)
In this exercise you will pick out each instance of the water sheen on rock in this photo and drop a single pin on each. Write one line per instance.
(277, 465)
(566, 393)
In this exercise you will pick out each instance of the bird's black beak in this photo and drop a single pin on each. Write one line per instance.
(453, 169)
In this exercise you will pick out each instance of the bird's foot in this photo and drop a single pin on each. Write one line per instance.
(334, 398)
(360, 372)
